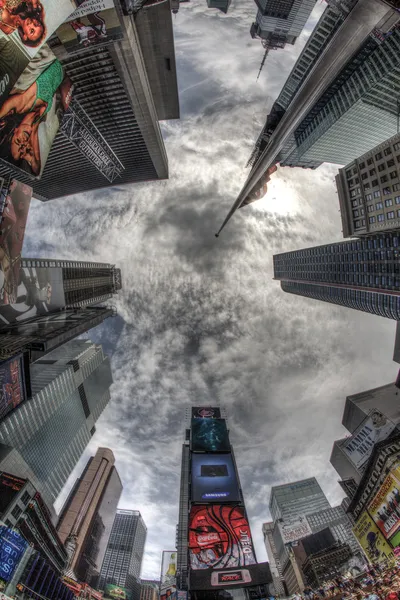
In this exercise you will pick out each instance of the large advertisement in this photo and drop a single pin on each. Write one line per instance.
(210, 435)
(219, 537)
(371, 540)
(294, 528)
(39, 291)
(10, 486)
(31, 115)
(12, 548)
(12, 231)
(12, 384)
(375, 428)
(385, 506)
(214, 478)
(203, 412)
(249, 576)
(95, 22)
(168, 575)
(116, 592)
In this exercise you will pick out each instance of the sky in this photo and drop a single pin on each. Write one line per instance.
(201, 320)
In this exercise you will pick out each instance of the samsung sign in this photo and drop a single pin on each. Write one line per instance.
(12, 548)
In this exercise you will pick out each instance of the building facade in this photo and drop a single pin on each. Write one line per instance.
(70, 390)
(124, 553)
(369, 190)
(149, 589)
(86, 518)
(362, 274)
(273, 558)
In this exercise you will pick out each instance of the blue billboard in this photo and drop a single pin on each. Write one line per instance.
(214, 478)
(12, 548)
(209, 435)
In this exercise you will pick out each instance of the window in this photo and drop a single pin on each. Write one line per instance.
(370, 208)
(390, 163)
(372, 219)
(396, 146)
(369, 197)
(387, 151)
(374, 182)
(353, 193)
(389, 202)
(381, 217)
(381, 167)
(372, 172)
(348, 174)
(369, 161)
(378, 156)
(393, 174)
(367, 186)
(379, 205)
(357, 224)
(396, 187)
(354, 203)
(384, 178)
(26, 497)
(356, 213)
(16, 511)
(397, 199)
(362, 165)
(398, 213)
(387, 190)
(377, 194)
(364, 176)
(398, 158)
(390, 214)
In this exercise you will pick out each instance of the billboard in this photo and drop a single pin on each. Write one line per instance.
(375, 428)
(214, 478)
(249, 576)
(219, 537)
(385, 506)
(30, 117)
(116, 592)
(210, 435)
(371, 540)
(12, 384)
(294, 528)
(168, 575)
(10, 486)
(40, 291)
(12, 232)
(204, 412)
(12, 548)
(95, 22)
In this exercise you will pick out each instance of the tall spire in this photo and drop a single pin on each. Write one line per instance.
(263, 62)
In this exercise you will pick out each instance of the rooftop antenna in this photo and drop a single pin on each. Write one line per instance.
(263, 62)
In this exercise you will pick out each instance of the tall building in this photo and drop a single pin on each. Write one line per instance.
(362, 274)
(369, 190)
(273, 558)
(85, 522)
(70, 390)
(121, 91)
(149, 589)
(216, 556)
(222, 5)
(124, 553)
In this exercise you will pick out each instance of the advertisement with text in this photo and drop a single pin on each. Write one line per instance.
(12, 385)
(168, 575)
(116, 592)
(214, 478)
(204, 412)
(385, 506)
(371, 539)
(12, 548)
(219, 537)
(294, 528)
(256, 577)
(210, 435)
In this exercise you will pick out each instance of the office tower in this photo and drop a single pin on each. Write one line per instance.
(273, 558)
(149, 589)
(214, 543)
(369, 190)
(111, 132)
(85, 521)
(362, 274)
(70, 390)
(124, 553)
(340, 525)
(222, 5)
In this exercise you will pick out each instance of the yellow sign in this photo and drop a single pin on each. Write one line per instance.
(385, 506)
(371, 539)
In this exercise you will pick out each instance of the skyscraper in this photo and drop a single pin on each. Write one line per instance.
(86, 518)
(214, 543)
(362, 274)
(124, 553)
(273, 558)
(149, 589)
(70, 390)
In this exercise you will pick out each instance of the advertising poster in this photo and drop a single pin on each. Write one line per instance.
(294, 529)
(256, 577)
(204, 412)
(385, 507)
(12, 385)
(168, 575)
(95, 22)
(375, 428)
(371, 539)
(12, 548)
(25, 26)
(39, 292)
(219, 537)
(31, 115)
(10, 486)
(12, 232)
(210, 435)
(214, 478)
(116, 592)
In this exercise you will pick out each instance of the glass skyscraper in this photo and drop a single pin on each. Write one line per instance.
(362, 274)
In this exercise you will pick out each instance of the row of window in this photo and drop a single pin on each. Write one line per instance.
(386, 190)
(378, 156)
(381, 216)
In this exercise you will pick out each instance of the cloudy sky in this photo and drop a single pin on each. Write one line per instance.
(201, 320)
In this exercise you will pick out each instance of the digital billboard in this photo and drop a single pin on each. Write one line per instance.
(12, 548)
(203, 412)
(214, 478)
(168, 575)
(12, 384)
(116, 592)
(209, 435)
(17, 198)
(250, 576)
(10, 486)
(219, 537)
(30, 117)
(371, 539)
(39, 291)
(385, 506)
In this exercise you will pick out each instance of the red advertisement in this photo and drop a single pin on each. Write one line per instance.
(219, 537)
(12, 385)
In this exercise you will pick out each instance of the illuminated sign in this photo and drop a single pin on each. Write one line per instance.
(254, 577)
(12, 384)
(209, 435)
(214, 478)
(12, 548)
(204, 412)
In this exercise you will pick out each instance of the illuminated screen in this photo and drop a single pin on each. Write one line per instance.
(214, 478)
(12, 548)
(117, 592)
(219, 537)
(206, 412)
(209, 435)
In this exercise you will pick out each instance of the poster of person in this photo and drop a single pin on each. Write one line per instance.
(39, 291)
(25, 25)
(371, 539)
(12, 384)
(31, 115)
(95, 22)
(385, 506)
(16, 202)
